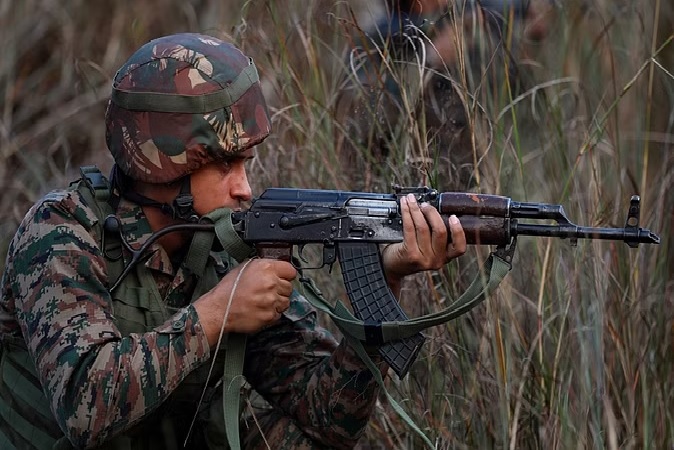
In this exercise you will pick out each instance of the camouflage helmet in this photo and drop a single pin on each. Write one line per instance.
(180, 102)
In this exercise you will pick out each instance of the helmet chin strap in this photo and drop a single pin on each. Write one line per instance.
(183, 204)
(181, 208)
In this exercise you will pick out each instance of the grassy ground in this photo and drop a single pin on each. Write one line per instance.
(575, 350)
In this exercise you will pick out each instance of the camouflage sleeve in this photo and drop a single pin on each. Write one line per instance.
(324, 387)
(98, 383)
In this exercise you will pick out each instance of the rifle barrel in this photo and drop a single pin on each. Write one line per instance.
(628, 235)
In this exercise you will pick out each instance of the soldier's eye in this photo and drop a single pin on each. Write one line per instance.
(224, 167)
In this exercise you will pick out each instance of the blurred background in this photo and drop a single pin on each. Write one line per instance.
(563, 102)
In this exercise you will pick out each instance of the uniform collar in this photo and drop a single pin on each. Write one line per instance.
(136, 231)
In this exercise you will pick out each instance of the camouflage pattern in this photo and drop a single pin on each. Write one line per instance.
(100, 383)
(322, 394)
(160, 147)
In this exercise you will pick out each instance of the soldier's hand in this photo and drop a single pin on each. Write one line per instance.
(426, 244)
(261, 295)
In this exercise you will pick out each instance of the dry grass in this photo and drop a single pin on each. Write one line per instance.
(575, 350)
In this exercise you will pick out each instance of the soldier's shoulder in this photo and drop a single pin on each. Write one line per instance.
(57, 214)
(64, 206)
(53, 214)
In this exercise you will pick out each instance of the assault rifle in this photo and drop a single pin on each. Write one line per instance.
(350, 226)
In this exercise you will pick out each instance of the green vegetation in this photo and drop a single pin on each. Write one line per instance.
(576, 348)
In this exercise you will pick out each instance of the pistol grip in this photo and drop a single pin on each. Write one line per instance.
(373, 302)
(274, 250)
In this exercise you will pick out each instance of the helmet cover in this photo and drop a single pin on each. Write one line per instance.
(180, 102)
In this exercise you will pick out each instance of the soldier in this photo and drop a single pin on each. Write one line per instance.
(406, 89)
(84, 367)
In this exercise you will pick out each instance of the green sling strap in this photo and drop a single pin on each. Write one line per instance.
(493, 272)
(96, 197)
(232, 377)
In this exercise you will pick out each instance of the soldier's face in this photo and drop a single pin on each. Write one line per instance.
(220, 185)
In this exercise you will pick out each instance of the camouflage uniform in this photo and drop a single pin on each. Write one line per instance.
(96, 381)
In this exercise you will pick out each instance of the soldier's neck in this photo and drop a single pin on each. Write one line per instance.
(173, 243)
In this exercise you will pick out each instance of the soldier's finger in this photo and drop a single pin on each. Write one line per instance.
(284, 270)
(457, 245)
(409, 233)
(285, 288)
(438, 229)
(422, 231)
(282, 304)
